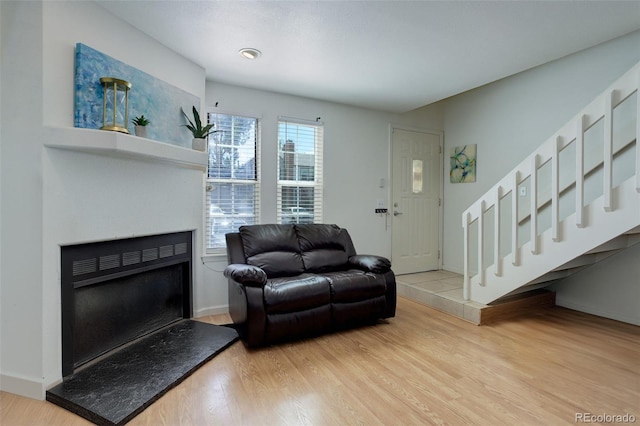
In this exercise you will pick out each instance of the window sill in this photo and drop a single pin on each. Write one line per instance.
(121, 145)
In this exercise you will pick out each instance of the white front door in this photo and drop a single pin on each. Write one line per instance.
(416, 181)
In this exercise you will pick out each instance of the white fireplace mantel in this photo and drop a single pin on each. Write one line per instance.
(121, 145)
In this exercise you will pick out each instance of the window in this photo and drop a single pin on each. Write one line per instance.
(299, 172)
(233, 178)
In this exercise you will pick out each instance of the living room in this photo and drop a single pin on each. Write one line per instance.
(52, 197)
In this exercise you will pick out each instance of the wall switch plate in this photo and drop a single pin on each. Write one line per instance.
(381, 210)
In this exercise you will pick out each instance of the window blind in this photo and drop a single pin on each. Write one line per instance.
(233, 178)
(300, 191)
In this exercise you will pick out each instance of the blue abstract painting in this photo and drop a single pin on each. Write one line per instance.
(157, 100)
(463, 164)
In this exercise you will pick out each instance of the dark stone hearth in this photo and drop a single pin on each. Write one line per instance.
(117, 388)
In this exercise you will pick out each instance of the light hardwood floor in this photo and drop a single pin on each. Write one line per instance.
(421, 367)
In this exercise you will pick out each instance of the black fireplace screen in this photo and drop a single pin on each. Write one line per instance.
(114, 292)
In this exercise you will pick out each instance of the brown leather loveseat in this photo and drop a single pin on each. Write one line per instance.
(292, 281)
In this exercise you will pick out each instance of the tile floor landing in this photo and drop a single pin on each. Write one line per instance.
(441, 290)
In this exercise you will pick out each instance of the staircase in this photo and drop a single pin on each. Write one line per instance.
(571, 203)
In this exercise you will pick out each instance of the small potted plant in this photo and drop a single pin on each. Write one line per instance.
(198, 132)
(141, 122)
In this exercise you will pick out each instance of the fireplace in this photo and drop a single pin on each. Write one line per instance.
(114, 292)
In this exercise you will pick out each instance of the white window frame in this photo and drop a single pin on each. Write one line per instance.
(316, 183)
(210, 183)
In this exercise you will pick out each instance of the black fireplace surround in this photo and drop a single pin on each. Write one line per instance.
(114, 292)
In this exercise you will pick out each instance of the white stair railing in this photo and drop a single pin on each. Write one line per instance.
(499, 270)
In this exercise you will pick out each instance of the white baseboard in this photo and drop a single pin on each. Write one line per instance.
(22, 386)
(212, 310)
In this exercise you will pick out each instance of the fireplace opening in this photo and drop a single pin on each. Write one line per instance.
(114, 292)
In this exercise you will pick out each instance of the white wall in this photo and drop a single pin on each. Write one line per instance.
(58, 197)
(508, 119)
(21, 322)
(356, 156)
(2, 24)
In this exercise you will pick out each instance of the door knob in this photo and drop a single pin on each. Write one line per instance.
(396, 213)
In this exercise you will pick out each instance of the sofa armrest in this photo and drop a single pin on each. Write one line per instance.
(370, 263)
(248, 275)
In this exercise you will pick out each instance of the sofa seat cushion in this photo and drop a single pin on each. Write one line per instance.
(355, 285)
(291, 294)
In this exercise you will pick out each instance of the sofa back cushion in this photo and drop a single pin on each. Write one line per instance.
(274, 248)
(323, 247)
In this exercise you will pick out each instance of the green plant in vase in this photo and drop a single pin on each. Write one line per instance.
(198, 131)
(140, 125)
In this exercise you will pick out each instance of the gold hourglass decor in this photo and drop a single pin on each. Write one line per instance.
(115, 104)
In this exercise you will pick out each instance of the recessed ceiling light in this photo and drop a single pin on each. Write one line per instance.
(250, 53)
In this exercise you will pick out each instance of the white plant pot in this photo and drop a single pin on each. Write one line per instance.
(199, 144)
(141, 131)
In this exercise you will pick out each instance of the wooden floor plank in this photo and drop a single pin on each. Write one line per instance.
(421, 367)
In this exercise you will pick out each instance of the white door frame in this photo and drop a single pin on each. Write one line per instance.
(440, 135)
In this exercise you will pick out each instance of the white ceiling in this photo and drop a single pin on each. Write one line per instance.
(387, 55)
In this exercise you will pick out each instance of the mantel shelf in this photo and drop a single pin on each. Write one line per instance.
(121, 145)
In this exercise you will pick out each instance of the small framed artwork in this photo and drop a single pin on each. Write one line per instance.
(463, 164)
